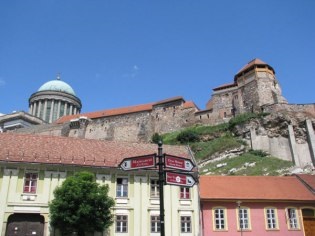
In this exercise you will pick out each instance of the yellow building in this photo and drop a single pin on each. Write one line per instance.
(32, 166)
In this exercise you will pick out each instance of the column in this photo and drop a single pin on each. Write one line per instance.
(65, 109)
(70, 112)
(34, 109)
(45, 110)
(51, 111)
(39, 106)
(58, 109)
(30, 109)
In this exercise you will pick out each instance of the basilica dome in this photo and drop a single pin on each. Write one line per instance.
(57, 85)
(53, 100)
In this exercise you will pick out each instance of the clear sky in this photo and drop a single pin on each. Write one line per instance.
(117, 53)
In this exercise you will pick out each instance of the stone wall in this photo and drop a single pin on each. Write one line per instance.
(307, 109)
(286, 148)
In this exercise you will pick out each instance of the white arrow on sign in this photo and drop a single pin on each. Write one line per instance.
(180, 179)
(141, 162)
(178, 163)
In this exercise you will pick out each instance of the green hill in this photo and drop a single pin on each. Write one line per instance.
(219, 151)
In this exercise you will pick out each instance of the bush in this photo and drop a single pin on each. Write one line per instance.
(187, 136)
(243, 118)
(259, 153)
(156, 138)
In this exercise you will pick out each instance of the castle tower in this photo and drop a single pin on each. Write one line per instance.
(53, 100)
(257, 87)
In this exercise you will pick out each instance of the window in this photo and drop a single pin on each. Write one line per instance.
(30, 183)
(155, 188)
(243, 218)
(122, 187)
(271, 219)
(219, 218)
(184, 193)
(121, 223)
(155, 224)
(185, 224)
(292, 218)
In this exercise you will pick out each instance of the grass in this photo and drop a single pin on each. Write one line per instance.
(204, 150)
(263, 166)
(218, 139)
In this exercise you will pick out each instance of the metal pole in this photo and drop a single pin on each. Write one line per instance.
(161, 184)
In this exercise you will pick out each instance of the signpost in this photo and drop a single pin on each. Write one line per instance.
(178, 163)
(174, 178)
(140, 162)
(179, 178)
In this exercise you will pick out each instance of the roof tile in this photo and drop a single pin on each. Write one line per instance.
(254, 188)
(74, 151)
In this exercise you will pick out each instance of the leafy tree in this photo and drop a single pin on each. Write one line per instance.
(187, 136)
(81, 205)
(156, 138)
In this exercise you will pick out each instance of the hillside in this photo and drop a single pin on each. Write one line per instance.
(226, 150)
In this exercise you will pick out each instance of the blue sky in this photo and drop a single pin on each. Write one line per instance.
(119, 53)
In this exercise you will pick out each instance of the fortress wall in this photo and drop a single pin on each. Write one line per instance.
(132, 128)
(303, 108)
(303, 151)
(276, 146)
(283, 148)
(249, 96)
(172, 118)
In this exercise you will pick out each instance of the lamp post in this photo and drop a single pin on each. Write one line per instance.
(240, 216)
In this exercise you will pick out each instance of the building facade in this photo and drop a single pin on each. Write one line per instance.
(32, 166)
(258, 205)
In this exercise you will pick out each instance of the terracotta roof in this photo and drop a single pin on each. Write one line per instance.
(190, 104)
(255, 61)
(111, 112)
(74, 151)
(170, 100)
(251, 64)
(308, 180)
(224, 86)
(123, 110)
(254, 188)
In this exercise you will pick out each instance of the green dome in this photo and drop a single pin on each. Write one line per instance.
(57, 85)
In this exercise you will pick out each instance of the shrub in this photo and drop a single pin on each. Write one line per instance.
(259, 153)
(156, 138)
(188, 136)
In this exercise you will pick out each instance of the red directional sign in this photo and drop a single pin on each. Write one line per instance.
(180, 179)
(140, 162)
(178, 163)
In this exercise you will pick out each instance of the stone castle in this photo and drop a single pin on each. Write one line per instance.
(254, 89)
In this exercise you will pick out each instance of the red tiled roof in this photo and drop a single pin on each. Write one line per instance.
(122, 110)
(251, 65)
(170, 100)
(254, 188)
(111, 112)
(74, 151)
(309, 180)
(224, 86)
(190, 104)
(255, 61)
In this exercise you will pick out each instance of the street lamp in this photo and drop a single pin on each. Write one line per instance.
(240, 216)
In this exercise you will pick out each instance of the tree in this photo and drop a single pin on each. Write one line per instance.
(156, 138)
(81, 205)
